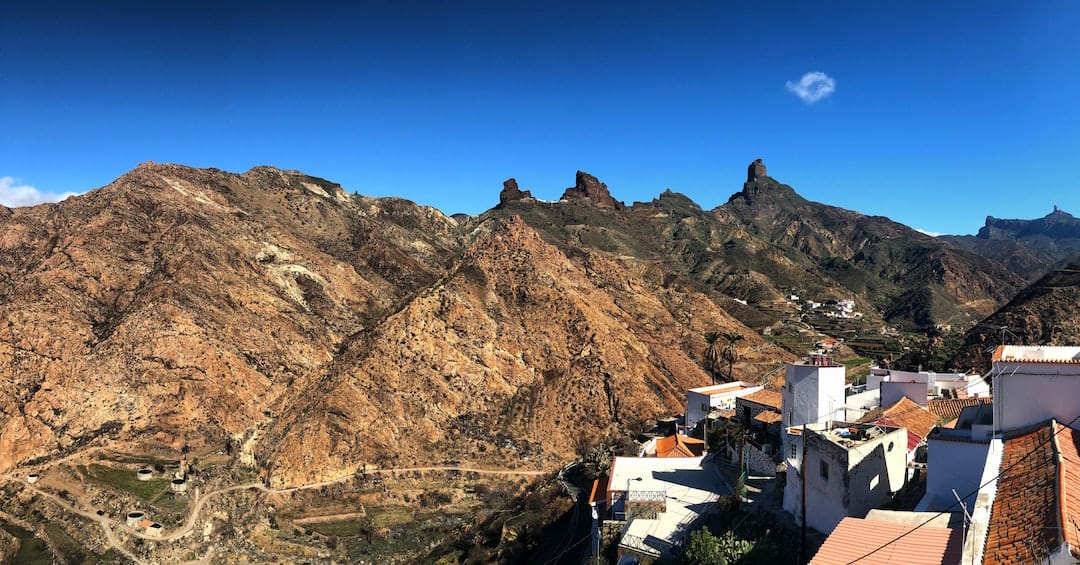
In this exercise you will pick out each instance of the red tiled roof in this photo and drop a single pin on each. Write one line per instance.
(904, 413)
(765, 397)
(1001, 356)
(853, 538)
(1068, 447)
(949, 409)
(768, 417)
(1028, 513)
(679, 446)
(599, 487)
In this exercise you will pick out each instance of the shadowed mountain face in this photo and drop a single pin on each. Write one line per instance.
(1028, 247)
(328, 330)
(912, 279)
(1045, 313)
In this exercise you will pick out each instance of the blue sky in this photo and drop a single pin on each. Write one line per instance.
(940, 113)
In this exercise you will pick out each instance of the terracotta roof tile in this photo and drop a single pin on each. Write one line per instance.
(679, 446)
(853, 538)
(1068, 446)
(904, 413)
(764, 397)
(1023, 522)
(768, 417)
(949, 409)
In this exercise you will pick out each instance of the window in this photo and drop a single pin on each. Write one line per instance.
(890, 446)
(824, 470)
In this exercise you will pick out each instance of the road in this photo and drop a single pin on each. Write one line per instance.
(200, 501)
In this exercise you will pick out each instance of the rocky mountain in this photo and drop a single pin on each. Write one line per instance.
(186, 306)
(323, 330)
(1028, 247)
(177, 304)
(1045, 313)
(912, 279)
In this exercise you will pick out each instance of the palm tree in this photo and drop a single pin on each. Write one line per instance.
(730, 354)
(712, 356)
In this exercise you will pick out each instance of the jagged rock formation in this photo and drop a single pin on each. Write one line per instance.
(179, 304)
(756, 170)
(511, 192)
(589, 187)
(1029, 247)
(516, 355)
(915, 280)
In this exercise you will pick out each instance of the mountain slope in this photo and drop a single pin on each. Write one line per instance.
(174, 304)
(913, 279)
(519, 354)
(1045, 313)
(1028, 247)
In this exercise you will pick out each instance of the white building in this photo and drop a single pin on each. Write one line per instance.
(962, 384)
(956, 458)
(701, 401)
(1033, 384)
(659, 500)
(849, 468)
(813, 392)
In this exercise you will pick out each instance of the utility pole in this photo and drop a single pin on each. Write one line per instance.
(802, 473)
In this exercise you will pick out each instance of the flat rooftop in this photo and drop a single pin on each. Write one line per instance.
(687, 485)
(1036, 354)
(725, 388)
(850, 434)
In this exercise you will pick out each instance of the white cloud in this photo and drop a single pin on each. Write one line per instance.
(930, 233)
(13, 193)
(813, 86)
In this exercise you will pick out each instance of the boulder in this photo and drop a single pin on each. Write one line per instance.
(590, 188)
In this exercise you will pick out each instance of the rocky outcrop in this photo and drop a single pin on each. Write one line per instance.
(756, 170)
(511, 192)
(588, 187)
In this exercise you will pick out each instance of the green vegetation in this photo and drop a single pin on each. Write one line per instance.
(32, 550)
(343, 528)
(125, 479)
(707, 549)
(855, 362)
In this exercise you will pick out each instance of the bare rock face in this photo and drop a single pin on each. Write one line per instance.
(756, 170)
(497, 363)
(590, 188)
(182, 302)
(511, 192)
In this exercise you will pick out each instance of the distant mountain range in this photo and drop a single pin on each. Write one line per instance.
(1028, 247)
(322, 330)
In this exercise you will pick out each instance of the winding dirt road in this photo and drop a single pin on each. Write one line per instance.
(200, 501)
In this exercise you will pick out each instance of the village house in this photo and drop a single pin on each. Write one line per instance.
(1034, 384)
(1029, 509)
(675, 445)
(655, 502)
(956, 455)
(904, 413)
(813, 392)
(885, 537)
(759, 411)
(849, 468)
(703, 400)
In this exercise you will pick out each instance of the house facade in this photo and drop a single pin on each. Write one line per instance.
(703, 400)
(813, 392)
(1034, 384)
(848, 468)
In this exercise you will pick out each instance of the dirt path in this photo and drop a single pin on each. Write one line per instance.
(101, 520)
(200, 501)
